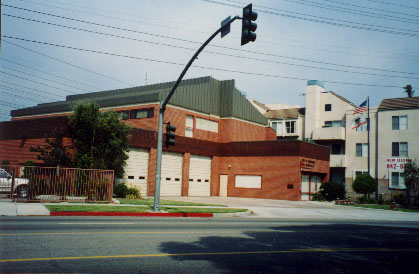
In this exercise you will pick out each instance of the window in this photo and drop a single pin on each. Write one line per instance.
(397, 180)
(337, 149)
(359, 172)
(189, 126)
(248, 181)
(278, 127)
(361, 150)
(328, 107)
(207, 125)
(290, 125)
(337, 123)
(142, 113)
(399, 122)
(399, 149)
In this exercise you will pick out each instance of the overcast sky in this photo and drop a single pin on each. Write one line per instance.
(357, 48)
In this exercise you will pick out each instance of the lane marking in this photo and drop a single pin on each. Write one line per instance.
(319, 250)
(144, 232)
(93, 223)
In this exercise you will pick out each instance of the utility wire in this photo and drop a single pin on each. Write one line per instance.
(21, 97)
(36, 76)
(70, 64)
(26, 92)
(223, 47)
(13, 75)
(211, 52)
(37, 90)
(338, 22)
(9, 104)
(202, 67)
(60, 77)
(392, 4)
(352, 11)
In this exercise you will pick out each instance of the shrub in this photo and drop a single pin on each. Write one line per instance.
(318, 197)
(399, 199)
(120, 190)
(133, 193)
(364, 184)
(332, 191)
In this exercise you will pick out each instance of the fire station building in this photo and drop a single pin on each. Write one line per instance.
(224, 146)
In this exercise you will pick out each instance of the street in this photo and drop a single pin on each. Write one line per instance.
(187, 245)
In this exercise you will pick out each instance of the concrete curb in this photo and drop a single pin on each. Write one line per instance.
(234, 214)
(133, 214)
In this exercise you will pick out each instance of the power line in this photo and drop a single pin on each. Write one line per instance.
(32, 68)
(13, 84)
(195, 42)
(27, 92)
(55, 82)
(217, 53)
(202, 67)
(184, 40)
(9, 104)
(70, 64)
(352, 11)
(18, 96)
(392, 4)
(23, 78)
(339, 23)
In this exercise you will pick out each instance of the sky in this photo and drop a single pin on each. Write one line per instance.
(359, 48)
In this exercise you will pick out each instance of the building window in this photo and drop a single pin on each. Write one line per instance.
(359, 172)
(290, 125)
(337, 123)
(189, 126)
(337, 149)
(361, 150)
(208, 125)
(396, 180)
(142, 113)
(248, 181)
(278, 127)
(399, 123)
(328, 107)
(399, 149)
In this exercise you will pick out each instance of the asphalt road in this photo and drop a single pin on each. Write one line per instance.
(188, 245)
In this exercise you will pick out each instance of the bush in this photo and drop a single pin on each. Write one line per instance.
(318, 197)
(133, 193)
(364, 184)
(332, 191)
(120, 190)
(399, 199)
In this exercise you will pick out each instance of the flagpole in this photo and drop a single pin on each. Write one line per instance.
(368, 129)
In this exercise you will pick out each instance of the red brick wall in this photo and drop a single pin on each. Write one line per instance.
(185, 173)
(233, 130)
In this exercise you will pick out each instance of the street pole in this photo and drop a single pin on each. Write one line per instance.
(156, 206)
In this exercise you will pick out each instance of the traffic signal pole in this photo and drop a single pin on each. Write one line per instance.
(156, 206)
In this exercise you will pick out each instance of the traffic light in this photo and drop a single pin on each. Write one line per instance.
(170, 135)
(248, 27)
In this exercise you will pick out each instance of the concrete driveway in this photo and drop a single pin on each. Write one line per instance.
(303, 210)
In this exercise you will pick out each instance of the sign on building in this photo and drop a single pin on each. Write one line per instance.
(397, 163)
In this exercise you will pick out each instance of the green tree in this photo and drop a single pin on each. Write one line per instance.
(409, 91)
(100, 138)
(364, 184)
(54, 153)
(411, 178)
(332, 191)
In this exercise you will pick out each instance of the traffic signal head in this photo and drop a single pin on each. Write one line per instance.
(170, 135)
(248, 27)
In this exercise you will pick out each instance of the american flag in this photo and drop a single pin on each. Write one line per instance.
(362, 108)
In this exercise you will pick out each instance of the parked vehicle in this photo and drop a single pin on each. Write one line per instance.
(20, 187)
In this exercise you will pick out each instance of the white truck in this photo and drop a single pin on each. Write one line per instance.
(20, 187)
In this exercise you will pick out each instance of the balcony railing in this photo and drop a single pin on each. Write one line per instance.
(329, 133)
(337, 160)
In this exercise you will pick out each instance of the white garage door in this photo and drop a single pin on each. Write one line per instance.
(171, 178)
(199, 176)
(136, 171)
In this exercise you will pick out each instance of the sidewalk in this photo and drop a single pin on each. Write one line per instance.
(9, 208)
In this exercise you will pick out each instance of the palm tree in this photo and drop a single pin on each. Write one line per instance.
(409, 91)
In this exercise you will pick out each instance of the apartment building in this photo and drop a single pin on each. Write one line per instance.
(224, 145)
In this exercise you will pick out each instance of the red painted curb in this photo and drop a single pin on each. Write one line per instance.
(132, 214)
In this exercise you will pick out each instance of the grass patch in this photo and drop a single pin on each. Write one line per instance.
(202, 210)
(387, 207)
(150, 201)
(96, 208)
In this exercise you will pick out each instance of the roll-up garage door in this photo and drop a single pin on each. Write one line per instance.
(136, 171)
(199, 176)
(171, 180)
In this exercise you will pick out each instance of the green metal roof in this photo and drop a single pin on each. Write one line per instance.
(204, 94)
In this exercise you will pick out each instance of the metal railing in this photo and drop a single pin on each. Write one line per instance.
(52, 184)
